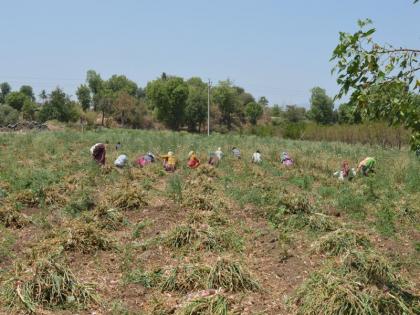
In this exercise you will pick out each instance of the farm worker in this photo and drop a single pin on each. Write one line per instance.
(286, 159)
(118, 146)
(169, 161)
(213, 160)
(256, 157)
(236, 152)
(98, 153)
(145, 159)
(366, 165)
(121, 160)
(219, 153)
(346, 172)
(193, 161)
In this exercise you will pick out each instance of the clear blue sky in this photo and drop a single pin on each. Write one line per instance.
(276, 48)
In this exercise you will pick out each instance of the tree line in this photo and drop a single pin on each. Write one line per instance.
(169, 101)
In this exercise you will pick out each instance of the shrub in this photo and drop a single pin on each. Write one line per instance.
(8, 115)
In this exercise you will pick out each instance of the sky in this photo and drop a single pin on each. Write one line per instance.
(274, 48)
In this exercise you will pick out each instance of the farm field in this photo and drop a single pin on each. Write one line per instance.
(240, 238)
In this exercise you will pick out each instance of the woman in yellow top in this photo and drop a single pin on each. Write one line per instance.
(193, 161)
(169, 161)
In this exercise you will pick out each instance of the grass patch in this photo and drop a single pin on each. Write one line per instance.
(12, 218)
(341, 241)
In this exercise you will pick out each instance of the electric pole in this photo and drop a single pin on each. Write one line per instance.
(208, 108)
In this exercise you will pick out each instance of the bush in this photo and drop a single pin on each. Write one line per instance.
(8, 115)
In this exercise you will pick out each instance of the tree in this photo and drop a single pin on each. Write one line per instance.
(84, 97)
(124, 105)
(4, 90)
(95, 84)
(119, 83)
(28, 91)
(168, 97)
(263, 101)
(253, 111)
(43, 96)
(29, 110)
(59, 107)
(226, 98)
(8, 115)
(16, 100)
(322, 107)
(275, 111)
(105, 100)
(294, 113)
(348, 114)
(381, 79)
(196, 109)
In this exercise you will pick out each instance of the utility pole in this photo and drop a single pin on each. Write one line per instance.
(208, 108)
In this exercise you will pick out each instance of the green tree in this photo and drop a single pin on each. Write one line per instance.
(294, 113)
(8, 115)
(381, 79)
(105, 103)
(28, 91)
(253, 111)
(5, 89)
(84, 97)
(263, 101)
(349, 114)
(196, 109)
(43, 96)
(119, 83)
(29, 110)
(322, 106)
(59, 107)
(168, 97)
(276, 111)
(226, 98)
(95, 84)
(124, 105)
(16, 100)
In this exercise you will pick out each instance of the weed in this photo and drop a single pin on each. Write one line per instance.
(296, 203)
(385, 222)
(175, 188)
(49, 283)
(319, 222)
(340, 241)
(129, 197)
(10, 217)
(83, 201)
(181, 236)
(354, 204)
(146, 279)
(185, 278)
(139, 227)
(231, 276)
(364, 284)
(213, 305)
(7, 240)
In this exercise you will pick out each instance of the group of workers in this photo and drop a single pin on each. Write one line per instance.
(170, 161)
